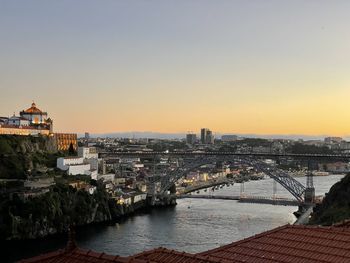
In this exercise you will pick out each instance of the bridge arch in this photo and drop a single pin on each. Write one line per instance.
(283, 178)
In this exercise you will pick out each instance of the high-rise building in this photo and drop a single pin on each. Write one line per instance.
(207, 136)
(203, 135)
(191, 138)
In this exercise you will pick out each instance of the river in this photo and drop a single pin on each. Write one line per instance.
(193, 225)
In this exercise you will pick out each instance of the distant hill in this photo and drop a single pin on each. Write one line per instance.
(169, 136)
(138, 135)
(335, 206)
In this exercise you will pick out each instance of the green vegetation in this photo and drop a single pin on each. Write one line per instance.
(71, 150)
(52, 212)
(21, 156)
(335, 206)
(255, 142)
(168, 145)
(299, 148)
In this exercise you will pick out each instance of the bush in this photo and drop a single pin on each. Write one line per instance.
(335, 206)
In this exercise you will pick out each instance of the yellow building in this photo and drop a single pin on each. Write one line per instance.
(64, 140)
(22, 130)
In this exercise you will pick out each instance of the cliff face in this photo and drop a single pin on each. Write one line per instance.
(336, 205)
(51, 213)
(20, 156)
(55, 211)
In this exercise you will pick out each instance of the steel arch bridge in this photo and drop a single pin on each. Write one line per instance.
(283, 178)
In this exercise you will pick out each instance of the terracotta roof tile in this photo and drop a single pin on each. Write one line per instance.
(33, 109)
(345, 223)
(172, 256)
(290, 244)
(78, 256)
(297, 244)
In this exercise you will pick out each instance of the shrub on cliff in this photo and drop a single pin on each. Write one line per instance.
(335, 206)
(20, 155)
(52, 212)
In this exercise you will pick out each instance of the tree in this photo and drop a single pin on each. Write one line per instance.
(71, 150)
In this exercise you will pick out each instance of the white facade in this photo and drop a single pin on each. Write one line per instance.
(88, 152)
(18, 121)
(93, 174)
(75, 166)
(63, 163)
(140, 197)
(138, 165)
(92, 189)
(79, 169)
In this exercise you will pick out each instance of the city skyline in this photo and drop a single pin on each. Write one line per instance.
(237, 67)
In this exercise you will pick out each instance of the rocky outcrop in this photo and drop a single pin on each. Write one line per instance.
(22, 156)
(335, 206)
(55, 211)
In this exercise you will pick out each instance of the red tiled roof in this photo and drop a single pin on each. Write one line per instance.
(79, 255)
(161, 255)
(306, 244)
(345, 223)
(289, 243)
(33, 109)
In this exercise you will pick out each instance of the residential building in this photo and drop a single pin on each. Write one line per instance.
(18, 121)
(64, 140)
(229, 138)
(88, 152)
(191, 138)
(330, 140)
(75, 166)
(203, 135)
(207, 136)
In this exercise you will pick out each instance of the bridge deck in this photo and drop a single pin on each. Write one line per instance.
(216, 153)
(248, 199)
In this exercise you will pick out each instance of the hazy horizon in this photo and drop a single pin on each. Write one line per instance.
(251, 67)
(217, 135)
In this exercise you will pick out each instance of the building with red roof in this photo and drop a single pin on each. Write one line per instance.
(34, 115)
(31, 121)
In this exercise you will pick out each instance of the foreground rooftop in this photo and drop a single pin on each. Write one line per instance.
(289, 243)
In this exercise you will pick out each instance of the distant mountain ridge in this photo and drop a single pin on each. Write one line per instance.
(159, 135)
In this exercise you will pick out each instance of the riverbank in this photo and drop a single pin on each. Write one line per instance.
(17, 249)
(63, 206)
(193, 225)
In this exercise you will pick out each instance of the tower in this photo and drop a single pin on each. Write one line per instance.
(309, 195)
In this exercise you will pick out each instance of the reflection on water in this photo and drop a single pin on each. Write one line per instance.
(194, 225)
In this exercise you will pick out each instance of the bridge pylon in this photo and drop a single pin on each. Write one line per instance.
(309, 195)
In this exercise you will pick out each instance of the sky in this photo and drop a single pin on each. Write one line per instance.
(257, 67)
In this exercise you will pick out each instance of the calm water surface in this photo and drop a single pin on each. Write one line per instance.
(194, 225)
